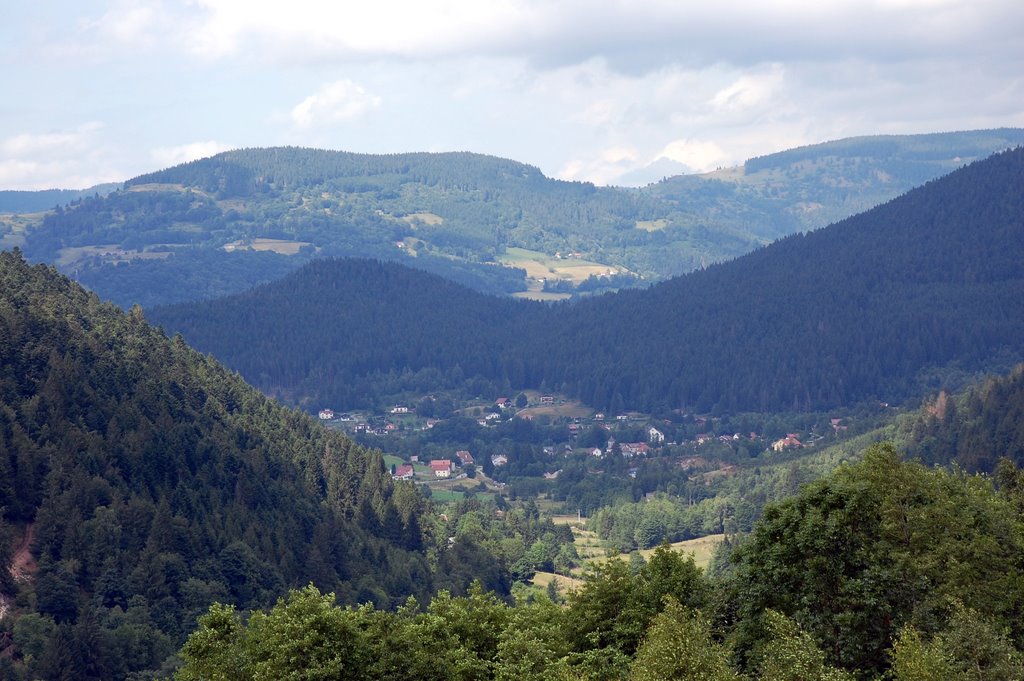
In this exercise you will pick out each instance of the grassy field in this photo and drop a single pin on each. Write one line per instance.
(535, 291)
(542, 266)
(426, 218)
(109, 253)
(592, 552)
(542, 579)
(562, 407)
(652, 225)
(278, 246)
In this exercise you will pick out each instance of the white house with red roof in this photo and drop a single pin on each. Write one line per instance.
(442, 468)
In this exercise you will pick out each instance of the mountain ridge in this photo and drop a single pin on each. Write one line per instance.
(252, 215)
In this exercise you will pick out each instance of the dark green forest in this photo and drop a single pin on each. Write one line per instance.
(148, 481)
(455, 213)
(974, 428)
(920, 292)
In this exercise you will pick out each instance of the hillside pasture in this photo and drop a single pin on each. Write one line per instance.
(279, 246)
(541, 266)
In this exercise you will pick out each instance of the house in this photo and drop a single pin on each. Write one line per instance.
(399, 409)
(547, 399)
(634, 449)
(552, 475)
(654, 435)
(599, 416)
(549, 451)
(503, 402)
(464, 457)
(326, 414)
(786, 443)
(596, 451)
(442, 468)
(499, 460)
(622, 417)
(404, 472)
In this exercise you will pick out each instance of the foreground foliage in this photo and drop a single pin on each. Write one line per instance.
(885, 569)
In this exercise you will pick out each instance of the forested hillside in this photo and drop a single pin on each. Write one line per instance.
(885, 305)
(975, 428)
(140, 481)
(253, 214)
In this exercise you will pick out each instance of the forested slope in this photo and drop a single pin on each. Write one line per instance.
(155, 481)
(975, 428)
(857, 310)
(885, 305)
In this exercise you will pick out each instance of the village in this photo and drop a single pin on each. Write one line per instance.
(701, 445)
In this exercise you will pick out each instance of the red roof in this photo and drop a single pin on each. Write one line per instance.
(441, 465)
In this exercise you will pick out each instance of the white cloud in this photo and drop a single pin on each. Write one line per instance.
(132, 21)
(166, 157)
(65, 141)
(636, 36)
(605, 168)
(75, 158)
(335, 102)
(748, 91)
(697, 155)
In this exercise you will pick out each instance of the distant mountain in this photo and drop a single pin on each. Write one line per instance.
(884, 305)
(226, 223)
(12, 201)
(809, 187)
(147, 481)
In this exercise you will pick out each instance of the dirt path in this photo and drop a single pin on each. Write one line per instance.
(23, 567)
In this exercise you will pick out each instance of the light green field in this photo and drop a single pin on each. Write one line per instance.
(542, 266)
(651, 225)
(278, 246)
(542, 579)
(109, 253)
(702, 549)
(430, 219)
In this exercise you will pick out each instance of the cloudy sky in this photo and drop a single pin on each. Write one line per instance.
(596, 90)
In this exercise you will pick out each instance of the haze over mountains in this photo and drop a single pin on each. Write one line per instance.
(223, 224)
(883, 305)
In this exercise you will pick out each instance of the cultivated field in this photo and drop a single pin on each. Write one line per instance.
(542, 266)
(278, 246)
(651, 225)
(426, 218)
(108, 253)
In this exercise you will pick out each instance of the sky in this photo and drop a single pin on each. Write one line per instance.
(606, 91)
